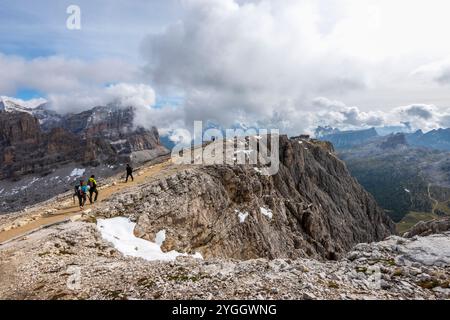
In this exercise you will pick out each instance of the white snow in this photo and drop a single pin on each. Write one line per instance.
(267, 212)
(35, 179)
(160, 237)
(241, 215)
(77, 172)
(13, 104)
(119, 141)
(120, 232)
(407, 190)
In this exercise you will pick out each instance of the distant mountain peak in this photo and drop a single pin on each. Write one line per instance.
(10, 104)
(393, 141)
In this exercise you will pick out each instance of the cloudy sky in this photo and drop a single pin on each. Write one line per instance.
(287, 64)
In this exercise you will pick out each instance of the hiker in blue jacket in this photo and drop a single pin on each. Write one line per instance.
(83, 190)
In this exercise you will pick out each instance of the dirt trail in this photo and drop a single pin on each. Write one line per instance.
(436, 203)
(140, 176)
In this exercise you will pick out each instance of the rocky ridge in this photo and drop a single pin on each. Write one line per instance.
(311, 207)
(72, 261)
(429, 227)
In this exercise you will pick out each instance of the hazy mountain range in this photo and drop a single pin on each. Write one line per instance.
(407, 173)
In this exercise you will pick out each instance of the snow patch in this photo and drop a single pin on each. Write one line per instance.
(120, 232)
(267, 212)
(19, 103)
(160, 237)
(241, 215)
(77, 172)
(119, 142)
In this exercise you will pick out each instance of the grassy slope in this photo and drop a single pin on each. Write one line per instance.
(412, 218)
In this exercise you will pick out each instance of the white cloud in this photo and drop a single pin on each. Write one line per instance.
(264, 61)
(140, 96)
(417, 116)
(255, 61)
(56, 74)
(122, 94)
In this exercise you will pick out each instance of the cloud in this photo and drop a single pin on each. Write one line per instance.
(255, 61)
(140, 96)
(122, 94)
(420, 111)
(56, 74)
(262, 63)
(437, 71)
(416, 116)
(336, 113)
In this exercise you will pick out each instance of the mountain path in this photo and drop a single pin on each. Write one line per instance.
(41, 220)
(436, 203)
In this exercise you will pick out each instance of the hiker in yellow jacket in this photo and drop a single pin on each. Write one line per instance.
(93, 189)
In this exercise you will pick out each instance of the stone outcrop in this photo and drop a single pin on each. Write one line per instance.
(311, 207)
(349, 139)
(43, 266)
(394, 141)
(429, 227)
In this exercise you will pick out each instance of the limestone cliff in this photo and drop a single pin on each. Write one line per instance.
(31, 145)
(311, 207)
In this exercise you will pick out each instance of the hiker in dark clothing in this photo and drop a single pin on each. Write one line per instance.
(75, 194)
(82, 194)
(129, 173)
(92, 189)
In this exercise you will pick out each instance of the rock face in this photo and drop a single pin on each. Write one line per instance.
(311, 207)
(39, 140)
(394, 141)
(429, 227)
(435, 139)
(348, 139)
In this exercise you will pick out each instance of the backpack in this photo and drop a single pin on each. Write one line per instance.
(79, 191)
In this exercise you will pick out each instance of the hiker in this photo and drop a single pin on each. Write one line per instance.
(129, 173)
(92, 183)
(82, 193)
(75, 194)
